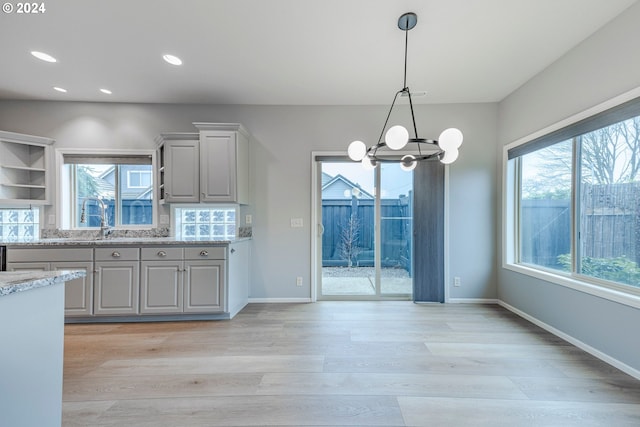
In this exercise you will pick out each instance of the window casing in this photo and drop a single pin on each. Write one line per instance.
(574, 205)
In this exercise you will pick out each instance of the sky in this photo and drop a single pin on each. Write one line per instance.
(395, 181)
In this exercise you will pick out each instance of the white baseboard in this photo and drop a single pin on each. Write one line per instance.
(278, 300)
(594, 352)
(472, 301)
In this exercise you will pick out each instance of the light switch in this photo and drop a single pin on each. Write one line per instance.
(296, 223)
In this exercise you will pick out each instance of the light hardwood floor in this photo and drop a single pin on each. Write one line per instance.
(340, 364)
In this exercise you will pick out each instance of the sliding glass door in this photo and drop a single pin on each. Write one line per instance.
(366, 234)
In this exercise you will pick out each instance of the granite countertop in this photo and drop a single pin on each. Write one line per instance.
(119, 241)
(19, 281)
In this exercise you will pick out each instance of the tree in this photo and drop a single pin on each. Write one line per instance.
(349, 239)
(86, 181)
(610, 155)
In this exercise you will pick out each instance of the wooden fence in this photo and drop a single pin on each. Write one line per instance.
(609, 218)
(396, 235)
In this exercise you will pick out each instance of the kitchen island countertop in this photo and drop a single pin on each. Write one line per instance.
(12, 282)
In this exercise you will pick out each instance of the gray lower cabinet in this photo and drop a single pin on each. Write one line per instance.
(161, 284)
(182, 280)
(204, 286)
(117, 281)
(145, 280)
(78, 292)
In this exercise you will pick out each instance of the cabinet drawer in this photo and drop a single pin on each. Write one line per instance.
(159, 254)
(117, 254)
(49, 255)
(206, 252)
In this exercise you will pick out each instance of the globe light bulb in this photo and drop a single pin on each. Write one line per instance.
(396, 137)
(450, 156)
(357, 150)
(450, 139)
(368, 164)
(408, 163)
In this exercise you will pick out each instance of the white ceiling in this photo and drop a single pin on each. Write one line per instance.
(289, 52)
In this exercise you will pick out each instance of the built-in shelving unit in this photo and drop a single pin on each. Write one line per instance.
(24, 168)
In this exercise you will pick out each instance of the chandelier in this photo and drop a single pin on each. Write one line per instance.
(397, 146)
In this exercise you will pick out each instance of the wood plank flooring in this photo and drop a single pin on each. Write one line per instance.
(340, 364)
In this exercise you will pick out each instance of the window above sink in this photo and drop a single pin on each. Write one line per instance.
(115, 190)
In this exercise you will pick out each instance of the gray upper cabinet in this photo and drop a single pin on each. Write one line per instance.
(25, 169)
(179, 167)
(210, 166)
(224, 162)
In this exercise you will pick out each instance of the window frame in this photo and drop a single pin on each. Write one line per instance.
(64, 218)
(511, 186)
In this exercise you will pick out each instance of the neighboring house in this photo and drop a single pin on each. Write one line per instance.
(339, 187)
(136, 191)
(135, 182)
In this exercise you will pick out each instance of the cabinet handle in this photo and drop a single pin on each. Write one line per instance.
(233, 250)
(162, 253)
(204, 253)
(115, 254)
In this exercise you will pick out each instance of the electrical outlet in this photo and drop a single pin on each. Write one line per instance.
(248, 219)
(456, 281)
(296, 223)
(299, 281)
(52, 220)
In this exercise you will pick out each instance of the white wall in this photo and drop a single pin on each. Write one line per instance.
(601, 68)
(281, 171)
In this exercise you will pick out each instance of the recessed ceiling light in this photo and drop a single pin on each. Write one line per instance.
(107, 91)
(173, 60)
(43, 56)
(60, 89)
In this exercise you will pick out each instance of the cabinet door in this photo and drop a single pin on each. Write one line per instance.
(161, 287)
(217, 166)
(204, 286)
(78, 293)
(181, 176)
(117, 286)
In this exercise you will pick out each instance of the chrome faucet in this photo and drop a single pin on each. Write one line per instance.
(105, 230)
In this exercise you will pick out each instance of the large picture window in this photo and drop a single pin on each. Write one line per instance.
(122, 184)
(576, 202)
